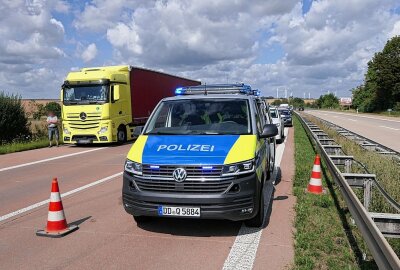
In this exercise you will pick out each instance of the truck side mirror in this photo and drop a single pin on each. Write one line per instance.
(114, 93)
(137, 131)
(269, 131)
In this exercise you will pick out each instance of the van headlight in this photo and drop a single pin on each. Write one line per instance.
(103, 130)
(133, 167)
(66, 131)
(278, 124)
(238, 168)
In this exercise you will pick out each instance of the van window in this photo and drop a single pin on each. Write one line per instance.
(259, 118)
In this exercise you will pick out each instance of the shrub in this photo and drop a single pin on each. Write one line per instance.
(54, 107)
(13, 122)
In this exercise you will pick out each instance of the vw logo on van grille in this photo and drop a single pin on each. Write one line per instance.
(179, 174)
(82, 116)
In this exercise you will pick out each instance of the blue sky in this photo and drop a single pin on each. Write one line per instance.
(306, 47)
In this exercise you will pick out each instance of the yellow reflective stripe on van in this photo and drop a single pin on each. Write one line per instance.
(136, 152)
(243, 149)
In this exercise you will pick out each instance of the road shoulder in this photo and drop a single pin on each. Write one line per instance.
(276, 249)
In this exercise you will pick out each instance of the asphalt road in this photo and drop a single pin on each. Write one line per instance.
(384, 130)
(109, 238)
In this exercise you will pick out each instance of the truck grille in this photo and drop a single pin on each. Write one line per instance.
(92, 121)
(199, 180)
(89, 116)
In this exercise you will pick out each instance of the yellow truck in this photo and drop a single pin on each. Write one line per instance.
(104, 104)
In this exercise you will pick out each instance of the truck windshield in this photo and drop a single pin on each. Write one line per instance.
(88, 94)
(201, 116)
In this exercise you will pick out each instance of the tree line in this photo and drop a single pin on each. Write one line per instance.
(380, 90)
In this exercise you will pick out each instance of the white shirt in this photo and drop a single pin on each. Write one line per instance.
(52, 119)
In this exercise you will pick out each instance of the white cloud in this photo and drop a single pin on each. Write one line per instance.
(89, 53)
(328, 48)
(30, 44)
(98, 15)
(193, 33)
(396, 30)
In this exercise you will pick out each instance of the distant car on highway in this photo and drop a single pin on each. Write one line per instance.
(286, 115)
(278, 121)
(301, 108)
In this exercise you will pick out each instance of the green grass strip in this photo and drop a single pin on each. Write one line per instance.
(23, 146)
(323, 237)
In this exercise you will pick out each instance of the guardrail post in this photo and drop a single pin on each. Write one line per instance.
(367, 193)
(347, 165)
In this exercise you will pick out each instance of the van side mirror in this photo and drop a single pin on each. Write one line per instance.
(269, 131)
(137, 131)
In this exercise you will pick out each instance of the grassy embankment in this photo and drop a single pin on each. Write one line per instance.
(39, 129)
(23, 146)
(324, 238)
(385, 168)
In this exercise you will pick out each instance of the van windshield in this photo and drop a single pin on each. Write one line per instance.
(201, 116)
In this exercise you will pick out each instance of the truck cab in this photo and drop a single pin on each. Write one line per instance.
(96, 105)
(205, 153)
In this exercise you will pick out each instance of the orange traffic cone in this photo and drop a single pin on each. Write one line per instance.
(56, 222)
(315, 184)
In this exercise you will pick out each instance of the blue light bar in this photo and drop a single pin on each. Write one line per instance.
(207, 167)
(238, 88)
(154, 167)
(179, 91)
(257, 92)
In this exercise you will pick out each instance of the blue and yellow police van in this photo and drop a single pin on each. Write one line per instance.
(204, 153)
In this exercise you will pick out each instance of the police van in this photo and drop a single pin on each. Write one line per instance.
(205, 153)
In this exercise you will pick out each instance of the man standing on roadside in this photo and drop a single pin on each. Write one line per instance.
(52, 123)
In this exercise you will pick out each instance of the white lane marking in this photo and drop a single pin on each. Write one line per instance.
(351, 120)
(389, 128)
(50, 159)
(36, 205)
(358, 115)
(244, 249)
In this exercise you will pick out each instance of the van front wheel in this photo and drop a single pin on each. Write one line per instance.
(258, 220)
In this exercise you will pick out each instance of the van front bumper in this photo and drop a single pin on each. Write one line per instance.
(240, 205)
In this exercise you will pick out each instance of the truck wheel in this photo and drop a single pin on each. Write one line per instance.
(121, 135)
(258, 220)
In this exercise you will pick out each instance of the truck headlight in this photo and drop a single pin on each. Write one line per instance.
(103, 130)
(238, 168)
(133, 167)
(66, 131)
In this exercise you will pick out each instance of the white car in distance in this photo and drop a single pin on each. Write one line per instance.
(278, 121)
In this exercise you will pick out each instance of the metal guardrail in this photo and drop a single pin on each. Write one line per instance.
(364, 142)
(382, 252)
